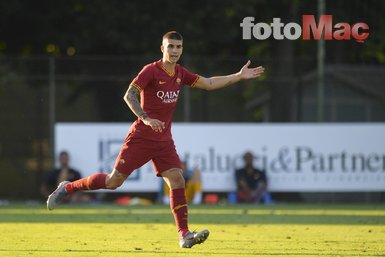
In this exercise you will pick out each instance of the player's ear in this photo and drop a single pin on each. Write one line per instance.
(161, 48)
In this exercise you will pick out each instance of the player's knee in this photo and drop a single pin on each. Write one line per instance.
(174, 178)
(113, 183)
(177, 181)
(115, 179)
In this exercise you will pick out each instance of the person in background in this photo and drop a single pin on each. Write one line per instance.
(63, 172)
(251, 182)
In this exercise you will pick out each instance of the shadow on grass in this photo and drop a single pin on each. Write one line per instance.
(233, 214)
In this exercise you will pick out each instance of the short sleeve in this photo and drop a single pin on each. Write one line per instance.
(144, 77)
(189, 78)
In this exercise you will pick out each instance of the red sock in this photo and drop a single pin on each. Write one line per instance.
(178, 207)
(93, 182)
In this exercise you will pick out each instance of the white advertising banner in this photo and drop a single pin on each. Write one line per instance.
(296, 157)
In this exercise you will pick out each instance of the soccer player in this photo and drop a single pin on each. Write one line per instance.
(152, 97)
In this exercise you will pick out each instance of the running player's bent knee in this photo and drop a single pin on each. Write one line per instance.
(115, 180)
(113, 184)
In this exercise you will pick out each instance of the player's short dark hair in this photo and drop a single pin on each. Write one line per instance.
(172, 35)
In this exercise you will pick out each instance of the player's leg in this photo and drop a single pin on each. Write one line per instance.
(168, 165)
(131, 156)
(97, 181)
(178, 204)
(93, 182)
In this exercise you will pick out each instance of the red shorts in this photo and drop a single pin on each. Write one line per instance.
(136, 152)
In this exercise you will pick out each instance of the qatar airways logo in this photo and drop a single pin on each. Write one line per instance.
(309, 29)
(168, 96)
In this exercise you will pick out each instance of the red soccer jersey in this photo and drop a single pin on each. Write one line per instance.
(159, 92)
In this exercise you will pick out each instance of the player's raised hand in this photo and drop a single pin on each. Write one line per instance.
(155, 124)
(249, 73)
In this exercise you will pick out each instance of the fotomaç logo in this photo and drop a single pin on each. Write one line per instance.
(309, 30)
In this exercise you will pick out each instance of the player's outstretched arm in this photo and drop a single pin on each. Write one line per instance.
(223, 81)
(132, 99)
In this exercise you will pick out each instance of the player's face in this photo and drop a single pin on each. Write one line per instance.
(172, 50)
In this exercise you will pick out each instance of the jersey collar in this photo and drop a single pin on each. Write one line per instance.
(160, 64)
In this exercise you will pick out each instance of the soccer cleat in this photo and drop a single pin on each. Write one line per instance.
(193, 238)
(57, 196)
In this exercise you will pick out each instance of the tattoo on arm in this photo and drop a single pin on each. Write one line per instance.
(222, 81)
(132, 100)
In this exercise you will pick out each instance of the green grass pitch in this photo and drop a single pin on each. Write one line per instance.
(243, 230)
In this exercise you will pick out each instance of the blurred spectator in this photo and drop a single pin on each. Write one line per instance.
(193, 188)
(251, 182)
(64, 172)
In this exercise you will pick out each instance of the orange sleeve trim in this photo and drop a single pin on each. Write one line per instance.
(136, 86)
(195, 81)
